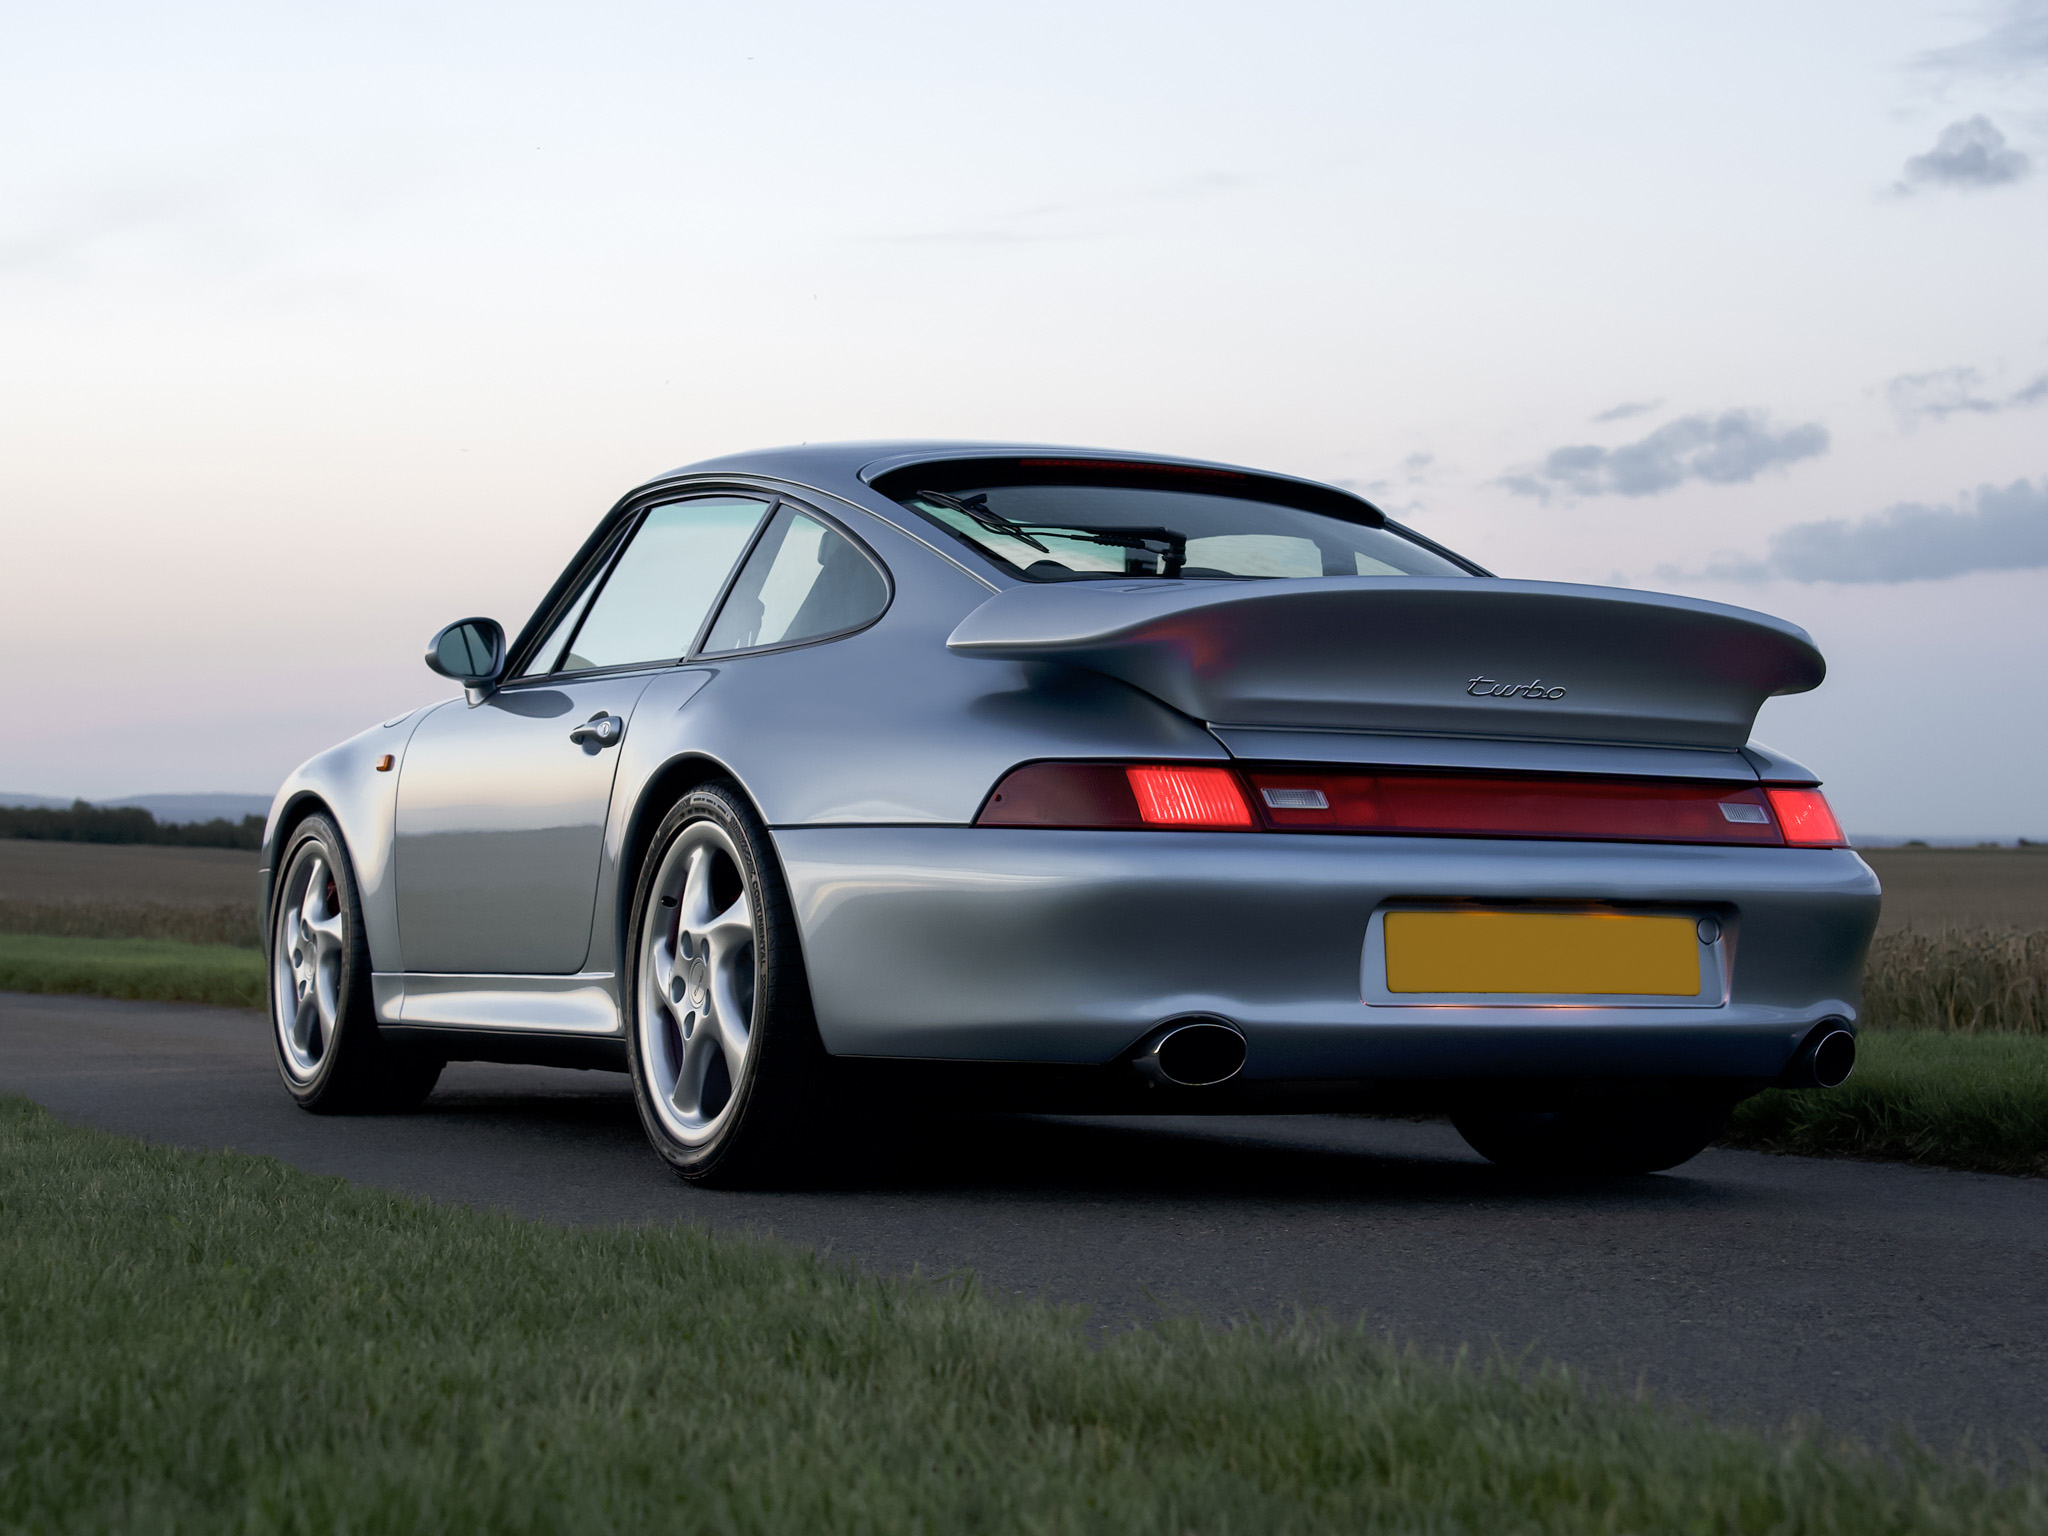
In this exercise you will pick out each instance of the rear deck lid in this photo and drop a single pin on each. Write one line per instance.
(1416, 655)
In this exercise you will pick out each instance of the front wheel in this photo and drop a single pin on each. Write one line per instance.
(323, 1022)
(1596, 1140)
(727, 1068)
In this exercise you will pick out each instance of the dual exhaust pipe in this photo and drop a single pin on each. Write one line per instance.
(1203, 1052)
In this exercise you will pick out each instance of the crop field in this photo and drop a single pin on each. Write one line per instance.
(126, 873)
(1934, 888)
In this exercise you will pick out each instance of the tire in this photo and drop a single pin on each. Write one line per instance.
(728, 1071)
(1611, 1140)
(323, 1023)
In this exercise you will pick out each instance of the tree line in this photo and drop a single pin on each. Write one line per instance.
(86, 823)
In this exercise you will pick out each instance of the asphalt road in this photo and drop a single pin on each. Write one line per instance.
(1756, 1288)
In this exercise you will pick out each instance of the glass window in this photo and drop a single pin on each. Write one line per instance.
(1083, 532)
(803, 580)
(660, 589)
(549, 652)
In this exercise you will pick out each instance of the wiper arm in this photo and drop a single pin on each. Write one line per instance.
(1172, 558)
(994, 522)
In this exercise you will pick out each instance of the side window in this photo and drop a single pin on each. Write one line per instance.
(659, 590)
(548, 654)
(802, 581)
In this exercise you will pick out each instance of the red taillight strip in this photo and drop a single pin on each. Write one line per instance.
(1195, 797)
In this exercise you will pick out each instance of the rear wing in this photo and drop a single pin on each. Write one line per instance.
(1412, 654)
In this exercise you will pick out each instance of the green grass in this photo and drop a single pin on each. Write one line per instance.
(158, 969)
(1924, 1096)
(213, 1342)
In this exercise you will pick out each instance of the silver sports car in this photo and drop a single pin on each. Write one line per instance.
(1075, 780)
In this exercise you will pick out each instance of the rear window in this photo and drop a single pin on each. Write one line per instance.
(1094, 532)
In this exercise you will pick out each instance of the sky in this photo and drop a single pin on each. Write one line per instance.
(321, 326)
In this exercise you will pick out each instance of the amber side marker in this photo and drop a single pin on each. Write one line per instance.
(385, 763)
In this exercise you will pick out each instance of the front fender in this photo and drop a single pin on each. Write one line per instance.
(345, 782)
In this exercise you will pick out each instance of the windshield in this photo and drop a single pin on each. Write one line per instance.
(1079, 532)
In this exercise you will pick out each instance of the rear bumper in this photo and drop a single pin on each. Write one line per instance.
(1055, 947)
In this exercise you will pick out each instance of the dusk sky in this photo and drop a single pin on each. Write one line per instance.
(326, 325)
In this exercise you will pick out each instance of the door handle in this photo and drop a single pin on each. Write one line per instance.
(599, 731)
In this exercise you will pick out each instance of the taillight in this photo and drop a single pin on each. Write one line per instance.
(1189, 797)
(1201, 797)
(1806, 818)
(1116, 795)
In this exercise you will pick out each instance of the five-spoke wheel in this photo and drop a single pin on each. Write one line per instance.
(311, 940)
(697, 981)
(329, 1050)
(724, 1052)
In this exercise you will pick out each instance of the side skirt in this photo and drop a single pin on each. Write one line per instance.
(525, 1047)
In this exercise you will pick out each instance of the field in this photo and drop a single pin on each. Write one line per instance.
(1934, 888)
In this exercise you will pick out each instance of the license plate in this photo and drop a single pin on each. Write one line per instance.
(1566, 954)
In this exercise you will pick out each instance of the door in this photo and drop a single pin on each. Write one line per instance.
(502, 805)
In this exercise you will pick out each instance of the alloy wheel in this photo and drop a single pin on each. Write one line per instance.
(696, 982)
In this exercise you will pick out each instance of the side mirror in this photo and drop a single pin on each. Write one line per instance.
(472, 651)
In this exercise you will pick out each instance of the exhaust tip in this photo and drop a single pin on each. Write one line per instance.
(1833, 1058)
(1824, 1061)
(1192, 1053)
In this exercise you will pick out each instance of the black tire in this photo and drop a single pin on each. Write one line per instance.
(340, 1065)
(1610, 1140)
(757, 1128)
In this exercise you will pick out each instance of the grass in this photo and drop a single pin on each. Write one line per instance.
(197, 1341)
(1921, 1096)
(158, 969)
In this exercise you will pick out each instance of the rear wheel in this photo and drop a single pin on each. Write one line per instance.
(323, 1022)
(1608, 1140)
(727, 1068)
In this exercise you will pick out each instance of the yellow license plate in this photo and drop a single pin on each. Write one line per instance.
(1559, 953)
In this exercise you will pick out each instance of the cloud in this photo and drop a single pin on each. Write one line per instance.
(1946, 392)
(1999, 528)
(1970, 154)
(1627, 409)
(2016, 43)
(1730, 449)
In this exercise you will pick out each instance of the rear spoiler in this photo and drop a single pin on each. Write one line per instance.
(1434, 655)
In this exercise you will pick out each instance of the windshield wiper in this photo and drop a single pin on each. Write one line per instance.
(1172, 557)
(994, 522)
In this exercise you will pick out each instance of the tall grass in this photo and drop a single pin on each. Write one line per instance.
(232, 922)
(1962, 980)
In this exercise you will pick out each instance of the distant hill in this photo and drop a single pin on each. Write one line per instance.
(170, 810)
